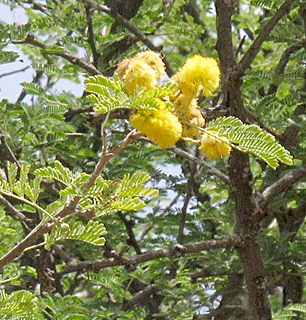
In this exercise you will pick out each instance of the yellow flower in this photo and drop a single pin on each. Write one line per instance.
(161, 125)
(213, 147)
(122, 67)
(138, 74)
(153, 60)
(198, 74)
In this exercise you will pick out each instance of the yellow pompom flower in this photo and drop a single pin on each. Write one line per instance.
(160, 125)
(122, 67)
(198, 74)
(138, 74)
(153, 60)
(215, 147)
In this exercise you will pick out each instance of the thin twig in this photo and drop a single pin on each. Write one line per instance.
(129, 228)
(12, 211)
(5, 74)
(186, 202)
(91, 37)
(90, 68)
(163, 213)
(11, 154)
(210, 167)
(141, 296)
(249, 56)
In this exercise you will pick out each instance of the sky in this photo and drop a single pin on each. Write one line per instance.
(10, 87)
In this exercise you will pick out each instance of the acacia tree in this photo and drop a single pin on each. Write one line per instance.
(100, 222)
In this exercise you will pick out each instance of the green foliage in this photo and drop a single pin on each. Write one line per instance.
(91, 233)
(107, 95)
(59, 173)
(113, 196)
(145, 194)
(253, 139)
(290, 312)
(17, 303)
(21, 188)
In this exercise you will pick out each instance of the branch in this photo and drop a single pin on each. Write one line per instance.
(280, 69)
(172, 251)
(186, 202)
(129, 26)
(13, 72)
(91, 36)
(210, 167)
(91, 69)
(281, 185)
(11, 155)
(129, 228)
(163, 213)
(140, 297)
(12, 211)
(249, 56)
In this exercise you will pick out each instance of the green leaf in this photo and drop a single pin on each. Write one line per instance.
(18, 303)
(59, 173)
(252, 139)
(91, 233)
(11, 173)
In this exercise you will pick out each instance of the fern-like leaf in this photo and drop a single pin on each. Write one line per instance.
(59, 173)
(102, 81)
(297, 307)
(91, 233)
(252, 139)
(18, 303)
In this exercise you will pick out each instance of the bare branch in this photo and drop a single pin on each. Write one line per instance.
(12, 211)
(148, 228)
(140, 297)
(91, 69)
(91, 36)
(129, 228)
(172, 251)
(281, 185)
(13, 72)
(210, 167)
(186, 202)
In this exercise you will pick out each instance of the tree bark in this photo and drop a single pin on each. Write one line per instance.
(247, 216)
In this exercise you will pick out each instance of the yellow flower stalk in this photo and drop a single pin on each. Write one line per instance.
(153, 60)
(215, 147)
(138, 74)
(198, 74)
(160, 125)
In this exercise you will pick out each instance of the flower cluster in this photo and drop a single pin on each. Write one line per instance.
(165, 125)
(199, 74)
(142, 71)
(160, 125)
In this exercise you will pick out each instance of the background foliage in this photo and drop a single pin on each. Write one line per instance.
(216, 233)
